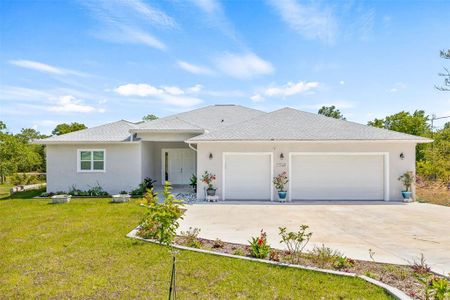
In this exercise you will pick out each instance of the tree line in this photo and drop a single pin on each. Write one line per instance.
(432, 159)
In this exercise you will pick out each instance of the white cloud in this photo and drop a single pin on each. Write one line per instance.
(45, 68)
(194, 69)
(309, 20)
(399, 86)
(195, 88)
(141, 90)
(342, 82)
(171, 95)
(257, 98)
(127, 21)
(208, 6)
(71, 104)
(286, 90)
(243, 66)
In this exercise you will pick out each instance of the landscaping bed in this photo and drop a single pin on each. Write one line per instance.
(433, 192)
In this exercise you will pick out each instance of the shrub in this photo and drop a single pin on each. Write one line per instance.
(208, 178)
(273, 255)
(259, 247)
(295, 241)
(190, 237)
(239, 251)
(435, 287)
(420, 266)
(97, 191)
(161, 220)
(218, 243)
(324, 256)
(143, 187)
(343, 262)
(23, 179)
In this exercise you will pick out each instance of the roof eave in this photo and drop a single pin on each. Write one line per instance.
(419, 141)
(141, 130)
(42, 142)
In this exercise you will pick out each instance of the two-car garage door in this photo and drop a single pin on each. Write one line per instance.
(337, 176)
(312, 176)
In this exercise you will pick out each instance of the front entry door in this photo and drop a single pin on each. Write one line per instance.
(178, 165)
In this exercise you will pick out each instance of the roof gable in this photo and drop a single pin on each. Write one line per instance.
(290, 124)
(111, 132)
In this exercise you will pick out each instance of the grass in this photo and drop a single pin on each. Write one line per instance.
(79, 250)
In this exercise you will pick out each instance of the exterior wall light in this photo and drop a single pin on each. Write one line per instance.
(281, 156)
(402, 156)
(210, 156)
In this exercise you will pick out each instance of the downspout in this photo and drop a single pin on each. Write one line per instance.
(190, 146)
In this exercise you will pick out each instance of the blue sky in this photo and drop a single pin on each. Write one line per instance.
(101, 61)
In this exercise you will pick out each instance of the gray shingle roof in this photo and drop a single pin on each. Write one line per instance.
(167, 124)
(111, 132)
(209, 118)
(291, 124)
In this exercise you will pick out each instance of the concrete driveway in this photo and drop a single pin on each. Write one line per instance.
(397, 232)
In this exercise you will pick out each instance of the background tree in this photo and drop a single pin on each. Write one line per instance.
(416, 124)
(331, 111)
(2, 126)
(446, 74)
(149, 117)
(16, 155)
(66, 128)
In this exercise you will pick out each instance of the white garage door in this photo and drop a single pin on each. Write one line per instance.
(247, 176)
(337, 177)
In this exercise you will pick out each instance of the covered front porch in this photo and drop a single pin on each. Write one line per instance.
(169, 161)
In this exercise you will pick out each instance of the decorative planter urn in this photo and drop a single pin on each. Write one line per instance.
(61, 199)
(211, 191)
(120, 198)
(406, 196)
(282, 196)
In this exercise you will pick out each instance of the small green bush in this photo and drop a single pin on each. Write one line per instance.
(343, 262)
(295, 241)
(259, 247)
(161, 220)
(324, 256)
(190, 237)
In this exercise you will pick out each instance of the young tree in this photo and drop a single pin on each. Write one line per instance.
(66, 128)
(446, 87)
(331, 111)
(149, 117)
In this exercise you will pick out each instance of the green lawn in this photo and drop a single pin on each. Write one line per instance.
(79, 250)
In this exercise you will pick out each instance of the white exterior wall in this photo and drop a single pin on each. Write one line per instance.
(122, 168)
(397, 166)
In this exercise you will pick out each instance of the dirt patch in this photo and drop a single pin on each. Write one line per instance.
(433, 192)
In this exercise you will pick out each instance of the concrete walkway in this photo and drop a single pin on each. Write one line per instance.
(396, 232)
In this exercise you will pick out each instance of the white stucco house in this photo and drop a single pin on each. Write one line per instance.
(325, 158)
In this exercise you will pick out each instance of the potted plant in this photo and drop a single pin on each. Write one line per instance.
(407, 179)
(208, 178)
(280, 182)
(123, 196)
(193, 183)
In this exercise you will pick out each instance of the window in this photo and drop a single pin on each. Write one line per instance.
(91, 160)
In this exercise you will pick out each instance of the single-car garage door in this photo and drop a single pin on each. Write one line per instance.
(342, 176)
(247, 176)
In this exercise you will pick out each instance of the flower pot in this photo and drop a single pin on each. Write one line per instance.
(406, 196)
(61, 199)
(120, 198)
(211, 192)
(282, 196)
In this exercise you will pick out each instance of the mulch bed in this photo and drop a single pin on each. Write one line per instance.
(402, 277)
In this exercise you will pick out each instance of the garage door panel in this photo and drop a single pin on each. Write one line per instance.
(337, 177)
(247, 177)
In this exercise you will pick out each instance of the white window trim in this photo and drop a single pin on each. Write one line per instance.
(224, 154)
(385, 163)
(92, 165)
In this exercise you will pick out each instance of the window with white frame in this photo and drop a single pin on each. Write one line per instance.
(91, 160)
